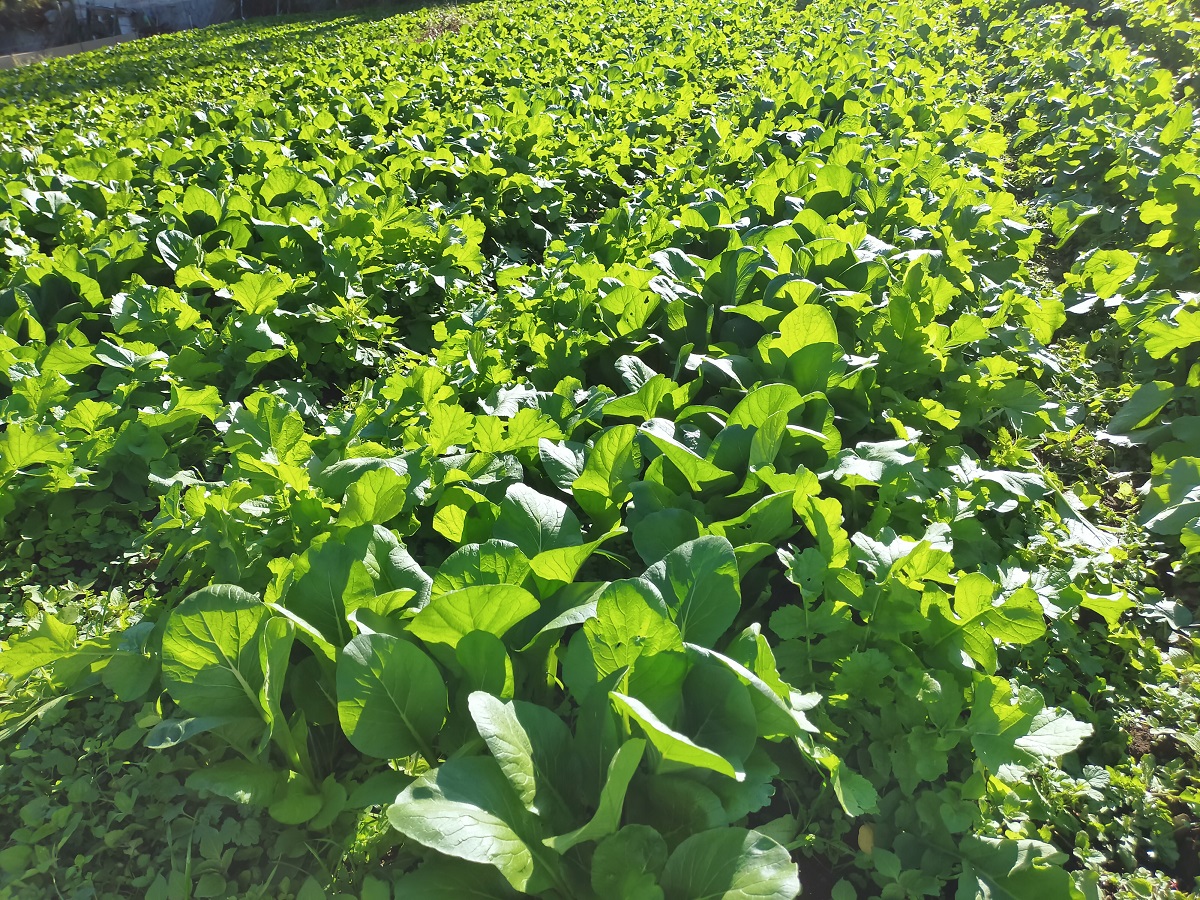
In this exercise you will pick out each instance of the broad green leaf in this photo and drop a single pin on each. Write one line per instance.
(486, 664)
(1108, 270)
(998, 720)
(22, 447)
(644, 404)
(743, 798)
(626, 865)
(834, 179)
(871, 463)
(464, 516)
(822, 516)
(377, 497)
(752, 650)
(1044, 317)
(613, 464)
(856, 795)
(178, 249)
(450, 879)
(1178, 126)
(1053, 733)
(335, 479)
(662, 531)
(172, 732)
(1174, 497)
(699, 582)
(391, 697)
(1142, 407)
(257, 293)
(1110, 607)
(717, 712)
(730, 864)
(607, 817)
(380, 789)
(119, 169)
(968, 329)
(979, 623)
(201, 208)
(699, 472)
(239, 780)
(769, 521)
(774, 717)
(803, 327)
(493, 608)
(630, 623)
(675, 262)
(562, 461)
(767, 441)
(274, 652)
(268, 423)
(998, 869)
(531, 745)
(187, 406)
(492, 562)
(576, 603)
(47, 644)
(677, 805)
(133, 669)
(1017, 727)
(673, 746)
(535, 522)
(286, 181)
(88, 415)
(210, 653)
(730, 274)
(558, 567)
(466, 808)
(528, 428)
(297, 802)
(759, 404)
(328, 580)
(449, 426)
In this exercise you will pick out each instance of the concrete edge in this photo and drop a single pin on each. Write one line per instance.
(13, 60)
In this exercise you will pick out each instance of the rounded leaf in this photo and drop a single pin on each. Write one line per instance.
(730, 864)
(210, 652)
(391, 697)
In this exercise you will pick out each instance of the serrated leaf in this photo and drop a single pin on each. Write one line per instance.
(1052, 734)
(378, 496)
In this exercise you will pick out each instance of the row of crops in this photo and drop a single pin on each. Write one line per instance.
(605, 450)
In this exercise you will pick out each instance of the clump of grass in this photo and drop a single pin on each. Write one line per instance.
(442, 21)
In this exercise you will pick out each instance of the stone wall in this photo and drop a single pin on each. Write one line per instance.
(73, 26)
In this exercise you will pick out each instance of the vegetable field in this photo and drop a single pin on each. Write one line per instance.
(611, 450)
